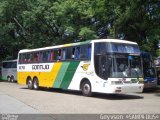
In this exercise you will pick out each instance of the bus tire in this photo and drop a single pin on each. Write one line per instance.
(35, 83)
(86, 89)
(9, 79)
(29, 83)
(12, 79)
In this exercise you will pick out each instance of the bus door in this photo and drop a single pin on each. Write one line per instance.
(102, 64)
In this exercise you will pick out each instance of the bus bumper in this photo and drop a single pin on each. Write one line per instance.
(150, 84)
(130, 88)
(127, 88)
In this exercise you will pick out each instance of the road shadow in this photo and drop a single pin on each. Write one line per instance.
(117, 96)
(155, 91)
(157, 94)
(151, 90)
(95, 95)
(5, 81)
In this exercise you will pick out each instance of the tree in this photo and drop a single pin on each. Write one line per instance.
(139, 21)
(38, 23)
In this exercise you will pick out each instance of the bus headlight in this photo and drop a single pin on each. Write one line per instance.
(141, 81)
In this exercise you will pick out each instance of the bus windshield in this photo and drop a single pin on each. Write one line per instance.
(117, 60)
(118, 66)
(150, 72)
(126, 66)
(148, 69)
(104, 47)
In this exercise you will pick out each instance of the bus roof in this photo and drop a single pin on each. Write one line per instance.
(10, 60)
(78, 43)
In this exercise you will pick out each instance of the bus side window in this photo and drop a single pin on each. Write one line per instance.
(52, 55)
(14, 65)
(24, 58)
(69, 53)
(57, 54)
(31, 59)
(48, 55)
(77, 53)
(44, 56)
(28, 57)
(4, 65)
(73, 53)
(35, 57)
(64, 54)
(21, 58)
(38, 55)
(85, 52)
(41, 56)
(89, 53)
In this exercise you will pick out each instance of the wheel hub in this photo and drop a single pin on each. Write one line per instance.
(86, 88)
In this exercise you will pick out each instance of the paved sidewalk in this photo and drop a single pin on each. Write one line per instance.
(10, 105)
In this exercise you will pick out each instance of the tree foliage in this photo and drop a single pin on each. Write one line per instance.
(38, 23)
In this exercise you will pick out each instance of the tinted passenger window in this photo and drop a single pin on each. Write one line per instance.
(85, 52)
(57, 54)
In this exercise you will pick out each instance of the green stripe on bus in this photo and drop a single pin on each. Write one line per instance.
(4, 78)
(85, 42)
(69, 75)
(61, 74)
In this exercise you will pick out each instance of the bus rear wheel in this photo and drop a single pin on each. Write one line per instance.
(12, 79)
(8, 78)
(29, 83)
(35, 84)
(86, 89)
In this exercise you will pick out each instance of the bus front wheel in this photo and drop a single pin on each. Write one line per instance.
(29, 83)
(35, 84)
(86, 89)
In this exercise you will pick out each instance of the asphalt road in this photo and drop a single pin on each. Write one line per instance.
(17, 99)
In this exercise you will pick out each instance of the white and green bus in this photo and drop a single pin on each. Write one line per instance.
(9, 70)
(103, 66)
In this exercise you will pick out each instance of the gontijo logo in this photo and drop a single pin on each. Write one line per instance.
(85, 67)
(40, 67)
